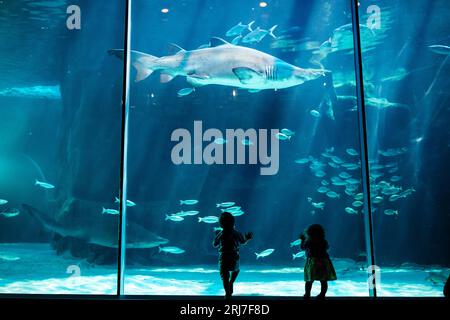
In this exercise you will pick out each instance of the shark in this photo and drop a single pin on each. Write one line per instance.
(97, 229)
(222, 63)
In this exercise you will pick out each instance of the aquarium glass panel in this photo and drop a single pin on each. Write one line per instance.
(60, 129)
(406, 50)
(283, 73)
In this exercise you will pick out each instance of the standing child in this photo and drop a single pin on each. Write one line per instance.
(318, 265)
(229, 240)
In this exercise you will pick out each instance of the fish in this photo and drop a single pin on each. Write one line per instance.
(217, 229)
(287, 132)
(392, 152)
(337, 160)
(333, 195)
(237, 213)
(394, 197)
(223, 64)
(318, 205)
(208, 219)
(315, 113)
(407, 192)
(44, 185)
(231, 209)
(220, 141)
(440, 49)
(110, 211)
(185, 92)
(2, 201)
(295, 243)
(282, 136)
(391, 212)
(353, 181)
(173, 250)
(175, 218)
(352, 152)
(225, 204)
(309, 199)
(390, 190)
(357, 203)
(129, 202)
(264, 253)
(246, 142)
(396, 178)
(190, 213)
(322, 189)
(325, 182)
(239, 28)
(258, 34)
(350, 210)
(320, 174)
(10, 213)
(300, 254)
(302, 161)
(359, 196)
(333, 165)
(344, 175)
(95, 229)
(9, 258)
(377, 199)
(188, 202)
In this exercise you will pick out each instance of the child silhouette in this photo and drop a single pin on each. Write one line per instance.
(228, 240)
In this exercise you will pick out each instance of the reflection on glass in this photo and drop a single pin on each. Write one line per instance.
(283, 73)
(59, 151)
(406, 80)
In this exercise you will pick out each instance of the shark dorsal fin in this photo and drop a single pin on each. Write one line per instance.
(215, 42)
(174, 48)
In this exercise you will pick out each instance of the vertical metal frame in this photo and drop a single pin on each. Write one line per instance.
(124, 151)
(368, 224)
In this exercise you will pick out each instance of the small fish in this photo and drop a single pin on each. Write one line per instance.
(217, 229)
(288, 132)
(44, 185)
(337, 160)
(2, 201)
(318, 205)
(344, 175)
(352, 152)
(264, 253)
(324, 182)
(237, 213)
(357, 203)
(246, 142)
(231, 209)
(173, 250)
(185, 91)
(225, 204)
(296, 243)
(300, 254)
(359, 196)
(391, 212)
(350, 210)
(10, 214)
(440, 49)
(174, 218)
(129, 202)
(9, 258)
(236, 40)
(239, 28)
(353, 181)
(333, 195)
(323, 189)
(309, 199)
(302, 161)
(258, 34)
(377, 199)
(396, 178)
(394, 197)
(315, 113)
(282, 136)
(208, 219)
(220, 141)
(188, 202)
(320, 174)
(110, 211)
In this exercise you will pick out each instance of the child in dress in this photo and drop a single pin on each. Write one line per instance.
(318, 265)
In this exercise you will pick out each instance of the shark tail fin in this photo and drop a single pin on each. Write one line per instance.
(159, 249)
(249, 26)
(271, 30)
(144, 63)
(36, 182)
(199, 219)
(257, 255)
(293, 256)
(103, 210)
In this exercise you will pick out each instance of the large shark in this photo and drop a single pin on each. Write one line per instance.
(224, 64)
(99, 229)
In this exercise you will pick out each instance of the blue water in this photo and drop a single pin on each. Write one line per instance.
(60, 101)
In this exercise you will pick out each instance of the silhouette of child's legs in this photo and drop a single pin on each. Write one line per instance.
(225, 275)
(308, 287)
(323, 289)
(234, 275)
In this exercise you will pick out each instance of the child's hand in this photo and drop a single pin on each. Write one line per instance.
(249, 235)
(302, 237)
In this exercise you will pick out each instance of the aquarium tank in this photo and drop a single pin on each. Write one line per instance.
(116, 160)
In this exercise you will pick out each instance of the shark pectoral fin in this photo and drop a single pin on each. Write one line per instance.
(247, 75)
(165, 77)
(215, 42)
(142, 73)
(198, 76)
(254, 90)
